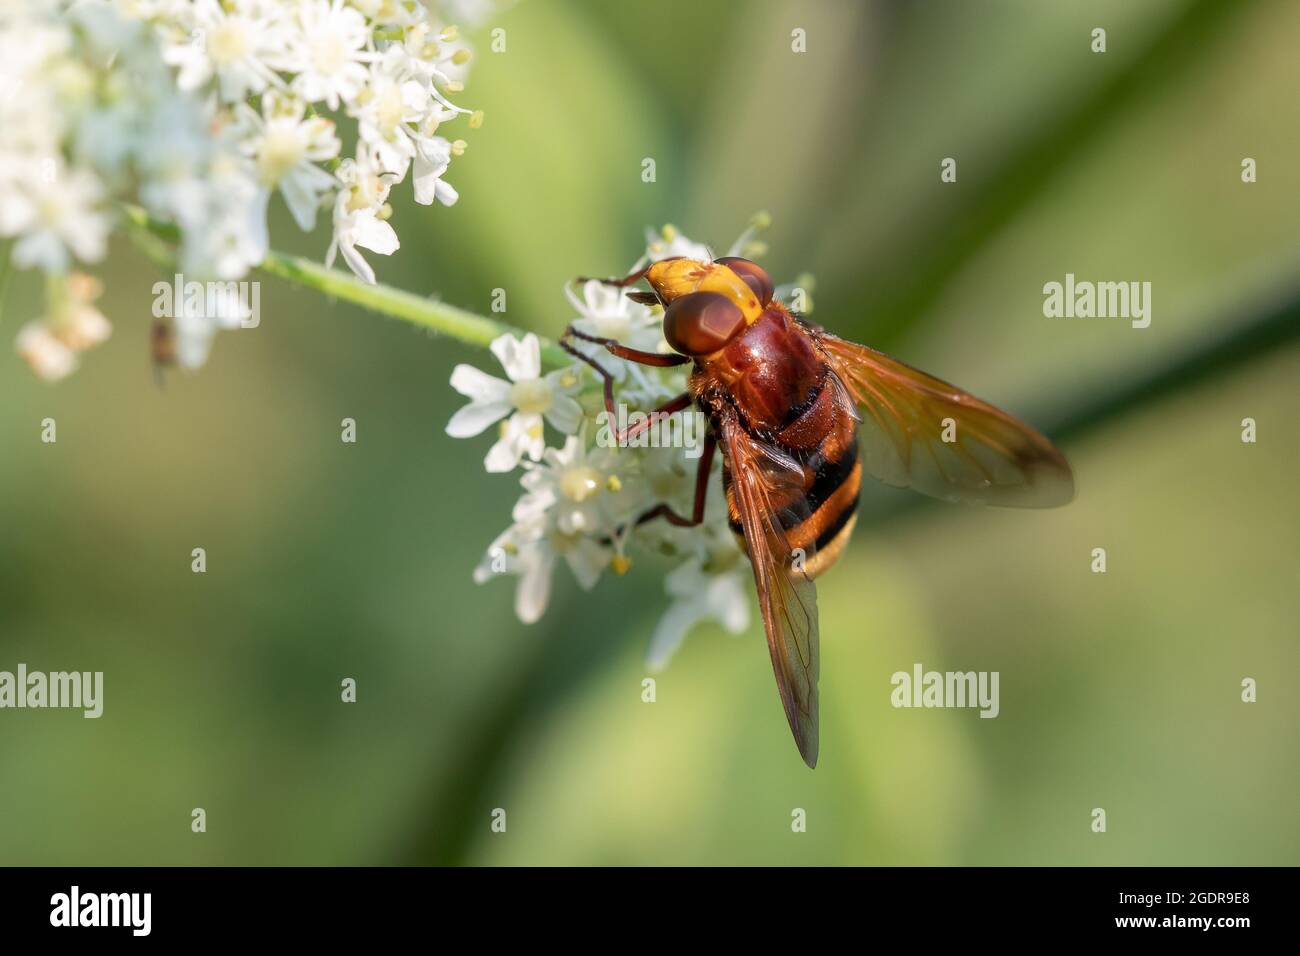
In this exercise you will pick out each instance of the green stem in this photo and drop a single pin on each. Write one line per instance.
(461, 324)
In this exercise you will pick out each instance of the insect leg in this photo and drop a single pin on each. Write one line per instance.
(665, 510)
(612, 346)
(600, 370)
(620, 283)
(667, 408)
(657, 359)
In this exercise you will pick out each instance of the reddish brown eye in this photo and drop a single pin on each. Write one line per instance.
(702, 322)
(754, 275)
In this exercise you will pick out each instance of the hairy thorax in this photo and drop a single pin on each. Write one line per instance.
(772, 373)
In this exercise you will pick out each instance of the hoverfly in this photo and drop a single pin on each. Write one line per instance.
(800, 415)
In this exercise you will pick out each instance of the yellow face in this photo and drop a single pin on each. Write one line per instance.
(673, 278)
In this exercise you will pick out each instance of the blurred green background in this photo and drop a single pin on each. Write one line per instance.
(328, 560)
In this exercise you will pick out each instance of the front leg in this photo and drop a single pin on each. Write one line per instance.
(622, 283)
(656, 359)
(682, 401)
(614, 347)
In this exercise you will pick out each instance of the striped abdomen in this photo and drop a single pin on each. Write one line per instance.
(818, 515)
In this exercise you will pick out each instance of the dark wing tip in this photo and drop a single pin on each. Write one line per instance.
(808, 750)
(1051, 482)
(807, 738)
(1068, 490)
(803, 727)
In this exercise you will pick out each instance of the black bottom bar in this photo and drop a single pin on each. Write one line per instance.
(333, 905)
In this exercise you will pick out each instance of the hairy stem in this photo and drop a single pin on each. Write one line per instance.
(153, 238)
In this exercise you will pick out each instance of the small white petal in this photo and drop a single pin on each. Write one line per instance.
(475, 417)
(377, 236)
(526, 429)
(684, 581)
(445, 193)
(535, 480)
(669, 633)
(729, 602)
(532, 508)
(430, 165)
(579, 518)
(479, 386)
(301, 201)
(564, 414)
(586, 560)
(426, 185)
(522, 359)
(503, 456)
(193, 343)
(357, 263)
(534, 590)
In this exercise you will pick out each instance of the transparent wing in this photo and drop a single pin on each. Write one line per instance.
(920, 432)
(767, 489)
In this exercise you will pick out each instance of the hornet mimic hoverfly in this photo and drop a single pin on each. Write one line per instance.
(782, 399)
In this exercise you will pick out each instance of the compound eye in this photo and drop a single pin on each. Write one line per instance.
(755, 276)
(700, 323)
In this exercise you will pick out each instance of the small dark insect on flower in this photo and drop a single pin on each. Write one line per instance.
(162, 348)
(784, 400)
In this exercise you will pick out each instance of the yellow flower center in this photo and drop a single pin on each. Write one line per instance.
(51, 209)
(389, 111)
(562, 543)
(532, 395)
(281, 151)
(365, 193)
(579, 484)
(228, 43)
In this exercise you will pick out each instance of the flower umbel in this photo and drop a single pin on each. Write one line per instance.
(201, 111)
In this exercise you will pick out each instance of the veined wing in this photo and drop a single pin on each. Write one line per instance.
(920, 432)
(766, 492)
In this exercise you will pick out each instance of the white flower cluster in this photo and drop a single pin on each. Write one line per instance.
(581, 498)
(199, 111)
